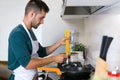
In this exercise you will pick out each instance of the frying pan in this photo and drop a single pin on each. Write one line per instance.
(75, 71)
(71, 71)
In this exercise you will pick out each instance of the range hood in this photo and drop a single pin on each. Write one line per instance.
(83, 8)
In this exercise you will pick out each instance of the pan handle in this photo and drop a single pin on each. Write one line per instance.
(57, 70)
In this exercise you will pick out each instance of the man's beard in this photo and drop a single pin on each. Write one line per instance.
(35, 27)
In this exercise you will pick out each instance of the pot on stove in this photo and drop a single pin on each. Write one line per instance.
(75, 71)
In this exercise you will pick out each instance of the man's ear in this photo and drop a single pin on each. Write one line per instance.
(32, 14)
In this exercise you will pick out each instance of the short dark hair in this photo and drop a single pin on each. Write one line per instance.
(37, 5)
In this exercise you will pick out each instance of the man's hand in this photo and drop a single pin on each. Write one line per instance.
(53, 47)
(62, 41)
(59, 58)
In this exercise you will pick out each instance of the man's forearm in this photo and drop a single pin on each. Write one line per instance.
(52, 48)
(36, 62)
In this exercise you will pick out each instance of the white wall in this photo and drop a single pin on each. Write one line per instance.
(11, 13)
(108, 23)
(53, 28)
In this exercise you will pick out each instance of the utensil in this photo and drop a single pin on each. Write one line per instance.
(106, 41)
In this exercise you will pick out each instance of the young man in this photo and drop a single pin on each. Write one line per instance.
(24, 49)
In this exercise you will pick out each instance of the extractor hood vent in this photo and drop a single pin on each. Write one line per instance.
(81, 10)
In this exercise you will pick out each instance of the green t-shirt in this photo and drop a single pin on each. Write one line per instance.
(20, 48)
